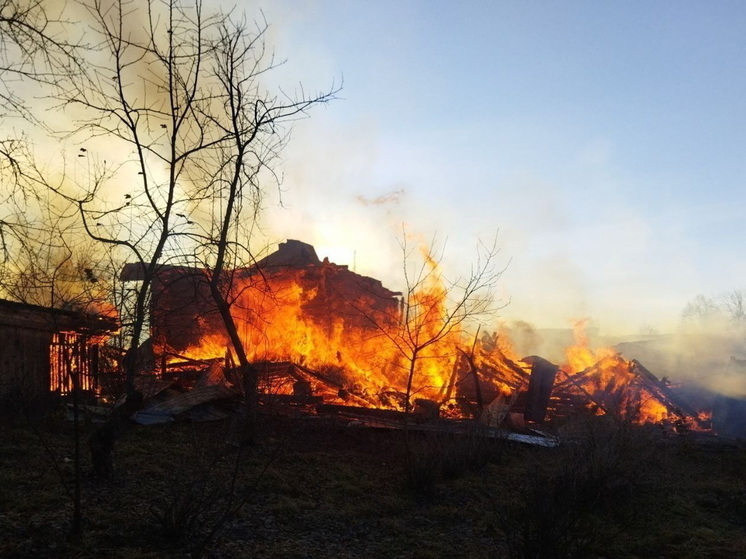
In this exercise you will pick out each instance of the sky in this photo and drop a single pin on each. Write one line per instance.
(602, 142)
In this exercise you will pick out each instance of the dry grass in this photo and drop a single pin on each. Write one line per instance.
(334, 491)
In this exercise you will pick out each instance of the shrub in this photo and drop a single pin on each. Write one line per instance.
(433, 456)
(203, 495)
(595, 474)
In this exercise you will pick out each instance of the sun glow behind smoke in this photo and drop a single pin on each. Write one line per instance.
(568, 196)
(596, 208)
(353, 173)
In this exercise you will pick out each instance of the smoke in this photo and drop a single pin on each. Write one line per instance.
(583, 235)
(359, 169)
(701, 358)
(707, 352)
(550, 343)
(384, 199)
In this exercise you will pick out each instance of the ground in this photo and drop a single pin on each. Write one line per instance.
(315, 488)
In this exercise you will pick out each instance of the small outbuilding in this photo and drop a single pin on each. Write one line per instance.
(47, 351)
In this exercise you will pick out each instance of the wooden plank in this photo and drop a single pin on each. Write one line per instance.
(580, 387)
(290, 399)
(663, 393)
(540, 386)
(368, 412)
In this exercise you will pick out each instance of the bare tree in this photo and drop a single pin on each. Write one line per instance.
(436, 307)
(701, 308)
(37, 48)
(734, 305)
(51, 266)
(37, 45)
(708, 310)
(182, 92)
(254, 124)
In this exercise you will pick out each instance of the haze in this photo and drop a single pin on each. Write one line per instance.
(603, 140)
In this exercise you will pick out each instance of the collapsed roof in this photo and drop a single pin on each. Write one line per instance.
(183, 311)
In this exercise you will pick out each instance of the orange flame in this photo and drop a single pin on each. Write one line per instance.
(317, 317)
(611, 381)
(285, 317)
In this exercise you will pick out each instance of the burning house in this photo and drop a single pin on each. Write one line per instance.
(292, 280)
(289, 306)
(48, 350)
(319, 333)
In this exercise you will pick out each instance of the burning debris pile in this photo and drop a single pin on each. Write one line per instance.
(321, 335)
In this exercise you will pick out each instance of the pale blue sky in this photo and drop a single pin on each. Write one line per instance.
(605, 140)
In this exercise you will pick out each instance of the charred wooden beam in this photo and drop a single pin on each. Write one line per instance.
(184, 360)
(369, 412)
(664, 393)
(269, 370)
(446, 392)
(341, 390)
(318, 376)
(571, 379)
(504, 362)
(474, 371)
(540, 386)
(291, 399)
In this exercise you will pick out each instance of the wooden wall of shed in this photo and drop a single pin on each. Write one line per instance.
(24, 362)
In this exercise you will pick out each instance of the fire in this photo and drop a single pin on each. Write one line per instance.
(320, 318)
(371, 346)
(580, 356)
(612, 382)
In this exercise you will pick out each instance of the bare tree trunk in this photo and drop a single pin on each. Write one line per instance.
(77, 524)
(475, 374)
(249, 374)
